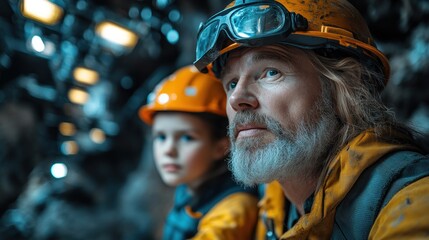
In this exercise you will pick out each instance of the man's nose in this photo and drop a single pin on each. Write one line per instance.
(243, 96)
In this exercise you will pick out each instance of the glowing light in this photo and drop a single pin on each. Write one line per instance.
(146, 13)
(69, 148)
(116, 34)
(97, 135)
(42, 11)
(173, 36)
(67, 129)
(59, 170)
(78, 96)
(86, 75)
(174, 15)
(163, 98)
(37, 44)
(162, 3)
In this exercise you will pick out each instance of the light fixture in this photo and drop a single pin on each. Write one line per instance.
(37, 44)
(59, 170)
(78, 96)
(42, 11)
(116, 34)
(86, 75)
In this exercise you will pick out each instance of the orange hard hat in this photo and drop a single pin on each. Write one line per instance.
(186, 90)
(309, 24)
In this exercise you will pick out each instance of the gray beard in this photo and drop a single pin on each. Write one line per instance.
(291, 155)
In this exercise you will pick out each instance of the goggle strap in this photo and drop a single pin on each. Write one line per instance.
(299, 22)
(239, 2)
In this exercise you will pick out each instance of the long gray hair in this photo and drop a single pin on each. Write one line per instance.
(355, 89)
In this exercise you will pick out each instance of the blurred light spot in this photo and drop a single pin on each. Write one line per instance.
(133, 12)
(420, 119)
(142, 28)
(116, 34)
(146, 13)
(81, 5)
(59, 170)
(97, 135)
(88, 35)
(173, 36)
(418, 54)
(165, 28)
(37, 43)
(163, 98)
(36, 90)
(190, 91)
(69, 20)
(161, 3)
(126, 82)
(67, 129)
(49, 48)
(5, 60)
(86, 75)
(69, 148)
(41, 11)
(42, 46)
(69, 54)
(150, 97)
(174, 15)
(109, 127)
(78, 96)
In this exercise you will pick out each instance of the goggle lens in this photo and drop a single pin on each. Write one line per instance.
(249, 24)
(256, 21)
(207, 38)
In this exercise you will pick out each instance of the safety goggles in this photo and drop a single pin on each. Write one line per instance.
(249, 24)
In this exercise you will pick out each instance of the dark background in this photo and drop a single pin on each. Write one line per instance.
(112, 190)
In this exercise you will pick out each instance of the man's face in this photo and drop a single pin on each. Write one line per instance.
(278, 117)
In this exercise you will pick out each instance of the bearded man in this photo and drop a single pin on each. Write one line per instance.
(304, 82)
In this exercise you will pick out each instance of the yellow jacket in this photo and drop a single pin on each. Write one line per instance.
(233, 218)
(404, 217)
(218, 209)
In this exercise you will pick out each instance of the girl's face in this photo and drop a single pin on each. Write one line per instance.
(184, 149)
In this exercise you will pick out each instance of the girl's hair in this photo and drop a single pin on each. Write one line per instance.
(218, 125)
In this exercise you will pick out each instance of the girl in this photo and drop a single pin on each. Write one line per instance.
(190, 144)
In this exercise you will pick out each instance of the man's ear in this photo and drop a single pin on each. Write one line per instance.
(222, 148)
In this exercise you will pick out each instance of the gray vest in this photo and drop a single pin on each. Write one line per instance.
(356, 214)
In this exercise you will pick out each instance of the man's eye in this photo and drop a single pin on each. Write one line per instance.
(272, 72)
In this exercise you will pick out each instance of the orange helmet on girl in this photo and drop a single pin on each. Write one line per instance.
(186, 90)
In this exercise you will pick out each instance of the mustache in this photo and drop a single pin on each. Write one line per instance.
(249, 117)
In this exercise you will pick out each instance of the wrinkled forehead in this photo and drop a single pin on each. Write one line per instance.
(289, 55)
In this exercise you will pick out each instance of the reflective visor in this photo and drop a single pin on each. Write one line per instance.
(256, 21)
(250, 24)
